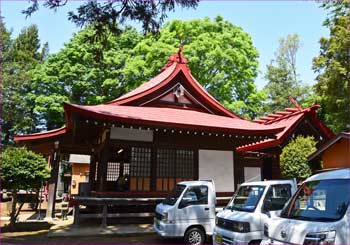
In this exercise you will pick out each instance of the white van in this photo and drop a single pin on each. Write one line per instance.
(242, 221)
(318, 213)
(189, 212)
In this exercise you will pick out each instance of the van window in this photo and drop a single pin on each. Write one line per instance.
(276, 197)
(324, 200)
(196, 195)
(246, 198)
(174, 195)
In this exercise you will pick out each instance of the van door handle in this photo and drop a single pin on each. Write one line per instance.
(206, 209)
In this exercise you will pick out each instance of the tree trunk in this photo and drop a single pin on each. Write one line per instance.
(13, 210)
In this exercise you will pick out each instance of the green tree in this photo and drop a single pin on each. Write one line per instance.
(5, 42)
(20, 56)
(282, 77)
(22, 169)
(333, 68)
(293, 159)
(83, 72)
(221, 57)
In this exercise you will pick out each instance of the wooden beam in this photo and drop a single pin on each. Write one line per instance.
(55, 161)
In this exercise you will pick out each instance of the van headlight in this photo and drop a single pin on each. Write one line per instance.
(242, 227)
(320, 238)
(165, 217)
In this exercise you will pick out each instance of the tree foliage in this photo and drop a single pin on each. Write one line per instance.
(293, 159)
(20, 56)
(107, 14)
(333, 68)
(221, 57)
(282, 76)
(83, 72)
(22, 169)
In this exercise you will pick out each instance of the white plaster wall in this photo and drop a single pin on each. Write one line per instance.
(217, 165)
(252, 174)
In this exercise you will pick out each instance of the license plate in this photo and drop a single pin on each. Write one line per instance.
(218, 239)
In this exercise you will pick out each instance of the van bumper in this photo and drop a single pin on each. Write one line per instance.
(166, 230)
(222, 236)
(268, 241)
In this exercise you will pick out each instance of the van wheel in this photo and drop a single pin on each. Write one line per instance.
(194, 236)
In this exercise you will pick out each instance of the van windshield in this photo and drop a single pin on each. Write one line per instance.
(174, 195)
(246, 198)
(323, 200)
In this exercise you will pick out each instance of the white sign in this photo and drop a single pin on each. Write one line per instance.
(132, 134)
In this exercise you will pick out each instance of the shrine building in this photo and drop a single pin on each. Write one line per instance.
(167, 130)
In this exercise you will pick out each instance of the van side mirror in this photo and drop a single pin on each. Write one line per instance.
(272, 214)
(267, 205)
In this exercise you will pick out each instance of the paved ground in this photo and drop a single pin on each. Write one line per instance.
(42, 238)
(34, 232)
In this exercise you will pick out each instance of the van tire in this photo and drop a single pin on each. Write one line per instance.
(195, 235)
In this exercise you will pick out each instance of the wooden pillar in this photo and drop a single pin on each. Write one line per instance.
(55, 161)
(92, 172)
(104, 157)
(76, 214)
(196, 164)
(153, 175)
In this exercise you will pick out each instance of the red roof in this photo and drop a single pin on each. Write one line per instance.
(289, 119)
(171, 117)
(135, 107)
(41, 135)
(177, 63)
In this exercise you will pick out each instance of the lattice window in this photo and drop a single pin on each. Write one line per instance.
(175, 163)
(184, 164)
(140, 162)
(126, 168)
(113, 171)
(166, 162)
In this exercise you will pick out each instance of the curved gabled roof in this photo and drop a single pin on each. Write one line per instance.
(171, 117)
(289, 119)
(177, 63)
(41, 135)
(137, 107)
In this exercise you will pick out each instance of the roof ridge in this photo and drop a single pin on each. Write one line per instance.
(279, 115)
(176, 57)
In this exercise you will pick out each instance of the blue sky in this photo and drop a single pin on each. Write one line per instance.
(265, 21)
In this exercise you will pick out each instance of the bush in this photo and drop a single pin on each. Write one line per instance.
(293, 160)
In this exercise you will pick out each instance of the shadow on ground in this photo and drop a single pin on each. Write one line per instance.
(27, 226)
(42, 238)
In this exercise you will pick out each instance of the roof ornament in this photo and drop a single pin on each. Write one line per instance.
(176, 58)
(179, 91)
(295, 103)
(179, 52)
